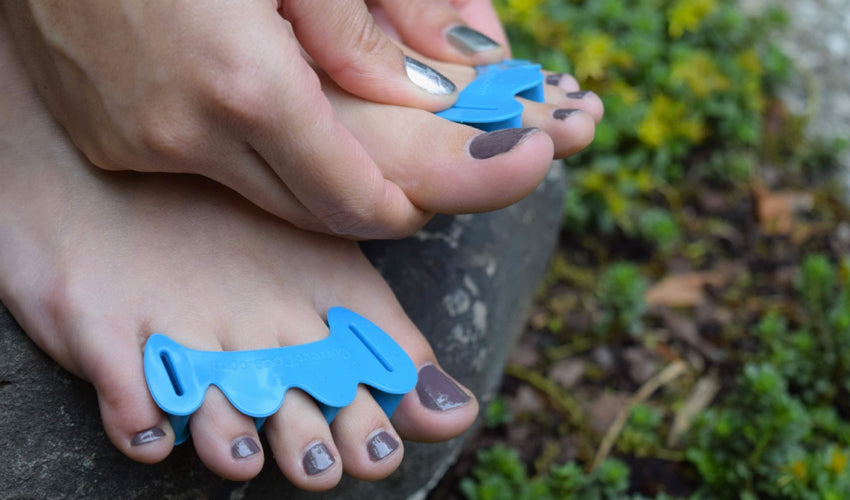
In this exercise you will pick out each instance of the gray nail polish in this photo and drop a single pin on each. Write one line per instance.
(577, 95)
(487, 145)
(147, 436)
(469, 41)
(554, 79)
(317, 459)
(428, 78)
(437, 391)
(381, 446)
(563, 114)
(244, 447)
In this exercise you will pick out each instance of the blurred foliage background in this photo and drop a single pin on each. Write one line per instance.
(704, 234)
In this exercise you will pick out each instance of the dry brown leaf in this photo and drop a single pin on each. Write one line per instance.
(776, 209)
(686, 289)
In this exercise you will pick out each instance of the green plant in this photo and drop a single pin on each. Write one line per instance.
(500, 475)
(620, 293)
(684, 83)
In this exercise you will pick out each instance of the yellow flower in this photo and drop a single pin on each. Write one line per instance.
(686, 15)
(798, 468)
(597, 52)
(699, 73)
(837, 461)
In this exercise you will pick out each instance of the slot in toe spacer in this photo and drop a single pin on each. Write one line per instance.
(489, 102)
(255, 382)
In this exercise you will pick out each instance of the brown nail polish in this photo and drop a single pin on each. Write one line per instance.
(147, 436)
(563, 114)
(554, 79)
(317, 459)
(381, 446)
(577, 95)
(437, 391)
(244, 447)
(488, 145)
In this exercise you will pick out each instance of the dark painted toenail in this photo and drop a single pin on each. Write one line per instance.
(317, 459)
(554, 79)
(381, 446)
(577, 95)
(563, 114)
(244, 447)
(437, 391)
(148, 436)
(487, 145)
(469, 41)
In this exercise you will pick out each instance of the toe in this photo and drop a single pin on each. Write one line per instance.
(570, 128)
(585, 100)
(133, 422)
(439, 408)
(563, 81)
(368, 444)
(302, 443)
(226, 440)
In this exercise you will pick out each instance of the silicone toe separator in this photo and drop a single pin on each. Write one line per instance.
(489, 102)
(255, 382)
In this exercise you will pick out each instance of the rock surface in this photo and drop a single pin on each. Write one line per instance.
(818, 42)
(466, 281)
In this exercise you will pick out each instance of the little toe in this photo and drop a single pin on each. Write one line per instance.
(368, 444)
(226, 440)
(303, 445)
(133, 422)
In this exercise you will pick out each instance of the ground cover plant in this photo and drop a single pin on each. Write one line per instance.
(692, 339)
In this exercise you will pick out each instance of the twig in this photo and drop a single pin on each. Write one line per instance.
(664, 377)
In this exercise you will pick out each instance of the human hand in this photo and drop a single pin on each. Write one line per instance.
(222, 89)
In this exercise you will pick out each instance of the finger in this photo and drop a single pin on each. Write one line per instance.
(342, 37)
(436, 29)
(482, 16)
(318, 159)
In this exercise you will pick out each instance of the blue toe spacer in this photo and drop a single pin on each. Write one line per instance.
(255, 382)
(489, 103)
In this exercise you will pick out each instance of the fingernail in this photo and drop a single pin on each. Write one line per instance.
(437, 391)
(148, 436)
(244, 447)
(487, 145)
(577, 95)
(554, 79)
(428, 78)
(469, 41)
(563, 114)
(381, 446)
(317, 459)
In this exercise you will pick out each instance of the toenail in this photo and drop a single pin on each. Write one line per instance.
(244, 447)
(469, 41)
(487, 145)
(577, 95)
(148, 436)
(554, 79)
(427, 78)
(317, 458)
(437, 391)
(563, 114)
(381, 446)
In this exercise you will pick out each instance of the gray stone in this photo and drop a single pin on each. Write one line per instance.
(466, 281)
(818, 42)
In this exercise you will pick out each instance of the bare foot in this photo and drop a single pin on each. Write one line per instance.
(92, 263)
